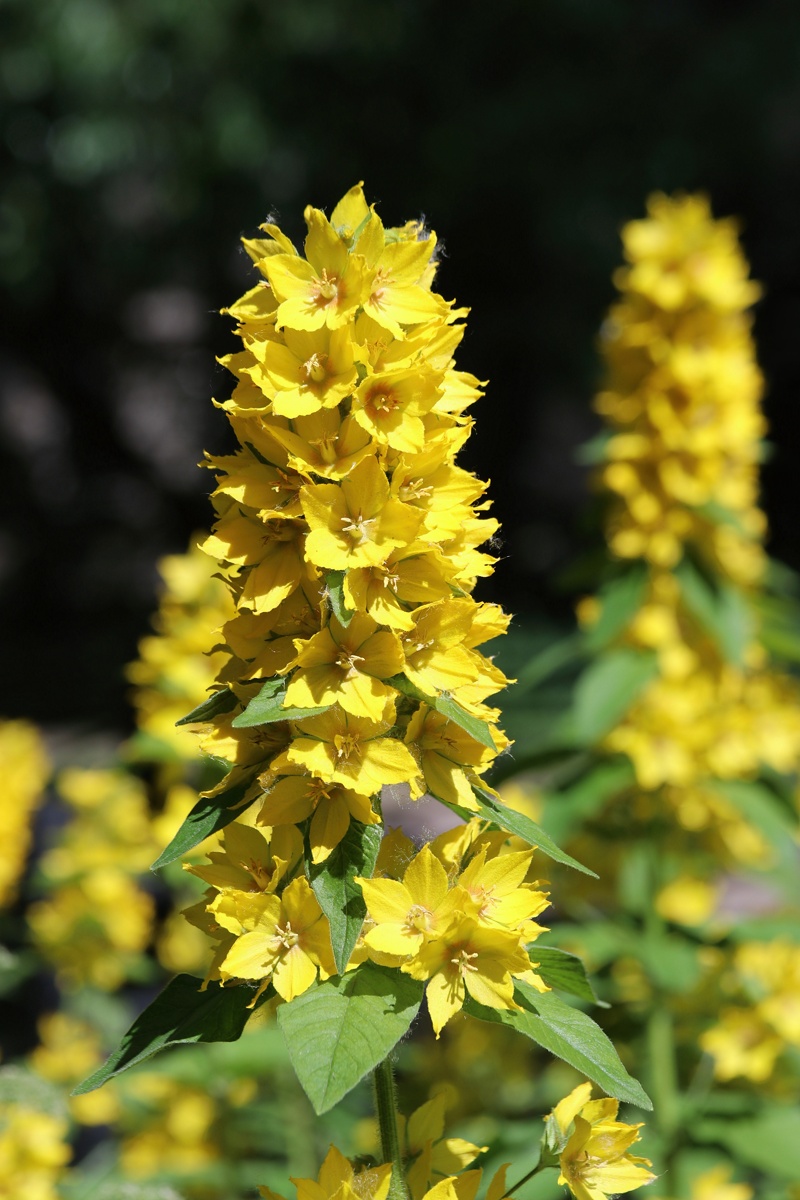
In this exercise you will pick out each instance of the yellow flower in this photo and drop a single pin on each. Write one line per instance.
(468, 957)
(283, 939)
(345, 666)
(338, 1179)
(593, 1146)
(349, 750)
(404, 914)
(356, 524)
(327, 289)
(331, 807)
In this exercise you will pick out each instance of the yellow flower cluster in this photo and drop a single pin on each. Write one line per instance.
(592, 1147)
(34, 1151)
(25, 773)
(176, 664)
(96, 919)
(681, 464)
(459, 915)
(349, 539)
(747, 1040)
(682, 394)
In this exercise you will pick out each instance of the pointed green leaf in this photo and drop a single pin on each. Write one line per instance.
(722, 611)
(338, 894)
(449, 708)
(524, 827)
(334, 586)
(180, 1014)
(339, 1030)
(210, 814)
(570, 1035)
(607, 689)
(564, 971)
(619, 601)
(267, 707)
(220, 702)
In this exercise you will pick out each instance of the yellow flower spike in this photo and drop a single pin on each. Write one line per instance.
(345, 666)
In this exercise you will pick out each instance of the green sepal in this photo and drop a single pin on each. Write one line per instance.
(569, 1034)
(513, 822)
(220, 702)
(447, 707)
(267, 707)
(180, 1014)
(338, 1031)
(337, 893)
(334, 589)
(209, 815)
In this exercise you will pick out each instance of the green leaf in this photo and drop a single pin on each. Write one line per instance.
(338, 894)
(524, 827)
(769, 1141)
(338, 1031)
(180, 1014)
(334, 586)
(570, 1035)
(569, 809)
(619, 600)
(220, 702)
(564, 971)
(722, 611)
(607, 689)
(548, 661)
(210, 814)
(267, 707)
(448, 708)
(759, 805)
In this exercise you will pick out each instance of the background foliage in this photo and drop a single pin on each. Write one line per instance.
(139, 138)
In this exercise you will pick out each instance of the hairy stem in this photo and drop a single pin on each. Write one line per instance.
(386, 1108)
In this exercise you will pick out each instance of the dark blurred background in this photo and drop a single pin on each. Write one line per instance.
(140, 138)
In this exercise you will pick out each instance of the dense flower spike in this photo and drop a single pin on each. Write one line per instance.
(682, 394)
(349, 540)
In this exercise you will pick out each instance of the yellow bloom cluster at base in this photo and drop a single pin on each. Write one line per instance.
(349, 539)
(25, 773)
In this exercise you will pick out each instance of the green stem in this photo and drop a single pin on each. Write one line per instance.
(663, 1070)
(386, 1107)
(539, 1167)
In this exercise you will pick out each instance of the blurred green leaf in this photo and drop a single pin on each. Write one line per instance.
(619, 601)
(607, 689)
(769, 1141)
